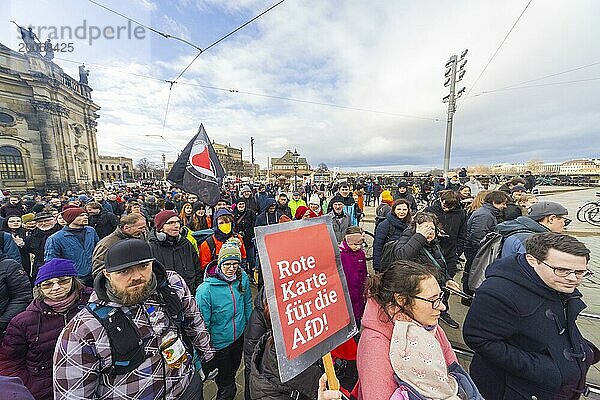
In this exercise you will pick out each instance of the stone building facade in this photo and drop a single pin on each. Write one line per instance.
(114, 168)
(47, 126)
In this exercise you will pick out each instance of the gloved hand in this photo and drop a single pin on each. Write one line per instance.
(209, 370)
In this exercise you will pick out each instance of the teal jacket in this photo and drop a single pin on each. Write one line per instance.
(225, 310)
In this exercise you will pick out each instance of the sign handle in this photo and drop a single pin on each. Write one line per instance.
(332, 380)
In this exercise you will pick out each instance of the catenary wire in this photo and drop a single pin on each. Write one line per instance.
(163, 34)
(534, 86)
(225, 37)
(499, 46)
(266, 95)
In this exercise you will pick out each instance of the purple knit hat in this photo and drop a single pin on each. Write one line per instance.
(55, 268)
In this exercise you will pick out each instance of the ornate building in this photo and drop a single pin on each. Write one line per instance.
(114, 168)
(47, 125)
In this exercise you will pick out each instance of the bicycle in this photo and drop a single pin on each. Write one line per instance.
(590, 212)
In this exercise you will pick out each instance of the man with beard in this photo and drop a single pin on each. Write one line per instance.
(142, 326)
(130, 226)
(270, 215)
(75, 242)
(34, 243)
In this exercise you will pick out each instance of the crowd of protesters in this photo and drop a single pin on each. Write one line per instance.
(146, 293)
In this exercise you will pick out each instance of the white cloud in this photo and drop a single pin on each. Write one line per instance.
(386, 56)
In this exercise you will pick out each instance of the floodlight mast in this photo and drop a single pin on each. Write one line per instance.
(451, 79)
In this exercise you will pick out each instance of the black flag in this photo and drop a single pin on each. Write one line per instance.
(198, 170)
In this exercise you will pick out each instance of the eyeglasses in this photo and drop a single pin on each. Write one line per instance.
(435, 303)
(230, 265)
(564, 272)
(61, 282)
(567, 220)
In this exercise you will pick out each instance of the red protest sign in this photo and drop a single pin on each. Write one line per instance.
(306, 289)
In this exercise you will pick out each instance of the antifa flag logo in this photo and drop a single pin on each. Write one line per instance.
(198, 170)
(200, 158)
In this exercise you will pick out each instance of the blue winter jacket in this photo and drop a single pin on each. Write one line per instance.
(10, 249)
(64, 244)
(225, 309)
(516, 232)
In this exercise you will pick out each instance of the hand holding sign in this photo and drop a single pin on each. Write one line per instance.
(306, 289)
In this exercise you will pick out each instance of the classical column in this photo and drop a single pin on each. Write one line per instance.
(48, 137)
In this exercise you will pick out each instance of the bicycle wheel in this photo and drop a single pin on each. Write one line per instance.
(583, 210)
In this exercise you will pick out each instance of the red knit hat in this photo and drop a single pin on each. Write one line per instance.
(162, 217)
(70, 214)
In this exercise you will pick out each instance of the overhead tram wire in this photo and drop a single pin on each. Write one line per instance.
(225, 37)
(535, 86)
(163, 34)
(499, 47)
(265, 95)
(539, 79)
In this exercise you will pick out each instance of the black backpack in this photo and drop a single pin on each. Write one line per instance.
(126, 344)
(489, 251)
(387, 255)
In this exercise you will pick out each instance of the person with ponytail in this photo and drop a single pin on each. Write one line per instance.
(225, 301)
(402, 349)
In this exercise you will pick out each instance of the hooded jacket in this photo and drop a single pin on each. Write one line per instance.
(218, 238)
(524, 336)
(15, 291)
(267, 218)
(10, 250)
(82, 358)
(225, 309)
(516, 232)
(388, 229)
(355, 270)
(28, 345)
(408, 197)
(375, 371)
(179, 255)
(264, 376)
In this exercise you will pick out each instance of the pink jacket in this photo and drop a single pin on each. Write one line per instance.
(375, 372)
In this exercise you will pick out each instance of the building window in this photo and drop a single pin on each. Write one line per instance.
(100, 167)
(6, 119)
(112, 167)
(11, 163)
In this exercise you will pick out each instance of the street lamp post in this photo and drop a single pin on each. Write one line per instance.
(296, 156)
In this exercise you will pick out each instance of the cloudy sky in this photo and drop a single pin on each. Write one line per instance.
(380, 62)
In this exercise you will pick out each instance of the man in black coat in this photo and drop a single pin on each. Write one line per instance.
(453, 220)
(522, 327)
(15, 291)
(174, 250)
(403, 193)
(104, 222)
(479, 224)
(34, 242)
